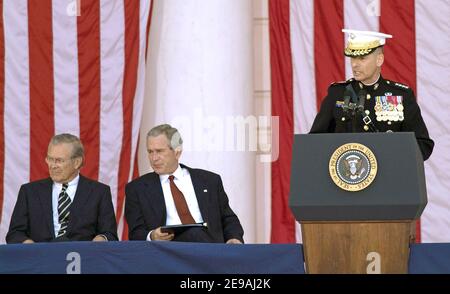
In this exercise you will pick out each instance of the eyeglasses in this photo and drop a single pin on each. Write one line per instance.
(58, 161)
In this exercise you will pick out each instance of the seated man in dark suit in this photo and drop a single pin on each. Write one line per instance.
(66, 206)
(175, 194)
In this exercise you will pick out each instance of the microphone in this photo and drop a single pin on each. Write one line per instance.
(362, 99)
(347, 107)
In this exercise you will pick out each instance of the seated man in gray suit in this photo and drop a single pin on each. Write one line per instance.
(66, 206)
(176, 194)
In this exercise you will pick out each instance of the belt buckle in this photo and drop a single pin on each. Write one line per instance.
(367, 120)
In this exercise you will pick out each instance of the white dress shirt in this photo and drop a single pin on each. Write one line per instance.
(71, 190)
(183, 181)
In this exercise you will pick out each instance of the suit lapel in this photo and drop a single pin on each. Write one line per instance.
(155, 197)
(45, 197)
(201, 191)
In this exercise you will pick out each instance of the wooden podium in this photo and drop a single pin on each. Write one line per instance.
(365, 231)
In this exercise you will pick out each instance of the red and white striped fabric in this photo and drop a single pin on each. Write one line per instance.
(307, 55)
(76, 69)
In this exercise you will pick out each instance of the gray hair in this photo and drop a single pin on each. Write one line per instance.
(380, 50)
(77, 146)
(170, 132)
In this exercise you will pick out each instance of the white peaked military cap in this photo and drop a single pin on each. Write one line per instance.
(360, 43)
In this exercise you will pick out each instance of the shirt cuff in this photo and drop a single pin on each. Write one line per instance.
(149, 238)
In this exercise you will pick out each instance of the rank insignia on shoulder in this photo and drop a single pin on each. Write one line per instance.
(402, 86)
(398, 85)
(342, 82)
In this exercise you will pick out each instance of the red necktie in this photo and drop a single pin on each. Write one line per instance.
(180, 204)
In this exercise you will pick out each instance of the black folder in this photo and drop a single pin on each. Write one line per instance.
(177, 229)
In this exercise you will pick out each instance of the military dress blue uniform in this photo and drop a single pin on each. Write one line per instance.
(388, 106)
(382, 106)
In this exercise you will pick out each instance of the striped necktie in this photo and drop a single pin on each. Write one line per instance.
(63, 210)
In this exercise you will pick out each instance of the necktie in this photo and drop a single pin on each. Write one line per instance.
(63, 210)
(180, 203)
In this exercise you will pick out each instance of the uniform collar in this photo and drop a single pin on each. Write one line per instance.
(370, 88)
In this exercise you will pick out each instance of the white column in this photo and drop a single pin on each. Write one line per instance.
(199, 79)
(262, 97)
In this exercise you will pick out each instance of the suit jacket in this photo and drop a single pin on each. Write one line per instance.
(91, 213)
(145, 209)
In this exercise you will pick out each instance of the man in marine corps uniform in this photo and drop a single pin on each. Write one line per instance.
(368, 102)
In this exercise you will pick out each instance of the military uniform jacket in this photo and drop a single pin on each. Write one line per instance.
(389, 106)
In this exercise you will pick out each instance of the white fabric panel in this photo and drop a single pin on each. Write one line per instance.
(65, 70)
(65, 55)
(304, 89)
(360, 15)
(201, 80)
(17, 107)
(112, 47)
(302, 47)
(144, 11)
(433, 88)
(141, 82)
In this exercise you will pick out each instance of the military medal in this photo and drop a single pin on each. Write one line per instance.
(400, 108)
(396, 115)
(390, 103)
(399, 103)
(339, 103)
(389, 108)
(394, 112)
(378, 107)
(384, 106)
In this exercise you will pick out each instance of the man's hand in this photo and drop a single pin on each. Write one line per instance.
(158, 235)
(28, 241)
(234, 241)
(100, 238)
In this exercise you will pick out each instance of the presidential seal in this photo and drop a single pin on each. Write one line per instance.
(353, 167)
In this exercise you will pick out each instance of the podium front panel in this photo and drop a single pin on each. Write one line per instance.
(398, 191)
